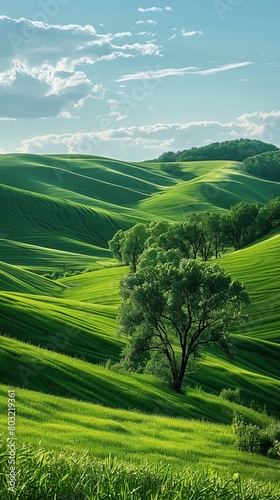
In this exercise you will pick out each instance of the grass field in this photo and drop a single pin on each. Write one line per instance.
(59, 342)
(60, 211)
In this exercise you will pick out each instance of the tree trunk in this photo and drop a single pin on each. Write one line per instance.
(178, 381)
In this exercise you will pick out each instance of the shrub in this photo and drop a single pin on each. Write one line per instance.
(274, 452)
(232, 395)
(171, 168)
(255, 440)
(247, 435)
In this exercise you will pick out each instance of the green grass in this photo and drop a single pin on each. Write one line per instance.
(58, 214)
(79, 321)
(68, 207)
(130, 436)
(79, 476)
(212, 185)
(13, 278)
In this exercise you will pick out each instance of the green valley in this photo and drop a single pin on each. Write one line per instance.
(59, 301)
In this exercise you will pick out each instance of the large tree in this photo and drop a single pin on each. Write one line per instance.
(172, 307)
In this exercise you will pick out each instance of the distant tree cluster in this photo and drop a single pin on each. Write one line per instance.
(202, 235)
(171, 168)
(236, 150)
(266, 165)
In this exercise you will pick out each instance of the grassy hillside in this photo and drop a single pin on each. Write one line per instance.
(80, 322)
(133, 436)
(59, 345)
(13, 278)
(209, 186)
(61, 211)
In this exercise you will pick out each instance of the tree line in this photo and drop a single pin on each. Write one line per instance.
(201, 235)
(236, 150)
(266, 165)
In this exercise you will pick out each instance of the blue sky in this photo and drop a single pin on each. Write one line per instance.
(132, 79)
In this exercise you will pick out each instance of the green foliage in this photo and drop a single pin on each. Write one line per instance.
(240, 226)
(128, 245)
(168, 157)
(174, 307)
(69, 223)
(251, 438)
(232, 395)
(236, 150)
(171, 168)
(247, 435)
(202, 235)
(44, 473)
(265, 165)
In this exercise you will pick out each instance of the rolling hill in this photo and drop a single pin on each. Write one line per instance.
(58, 212)
(59, 345)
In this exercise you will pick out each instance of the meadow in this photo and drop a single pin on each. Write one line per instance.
(60, 349)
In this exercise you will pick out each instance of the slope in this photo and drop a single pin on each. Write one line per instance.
(209, 186)
(81, 322)
(16, 279)
(68, 207)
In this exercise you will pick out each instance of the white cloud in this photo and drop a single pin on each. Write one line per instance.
(154, 9)
(122, 34)
(145, 33)
(159, 136)
(149, 21)
(150, 9)
(226, 67)
(153, 74)
(117, 116)
(145, 49)
(191, 33)
(66, 115)
(44, 68)
(163, 73)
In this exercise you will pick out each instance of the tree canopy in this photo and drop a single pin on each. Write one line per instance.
(235, 150)
(266, 165)
(173, 307)
(201, 235)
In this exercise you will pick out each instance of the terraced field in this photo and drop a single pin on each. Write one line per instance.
(59, 345)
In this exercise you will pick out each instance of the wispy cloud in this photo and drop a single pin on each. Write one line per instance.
(191, 70)
(122, 34)
(153, 74)
(149, 21)
(145, 33)
(226, 67)
(145, 49)
(149, 9)
(46, 74)
(160, 136)
(191, 33)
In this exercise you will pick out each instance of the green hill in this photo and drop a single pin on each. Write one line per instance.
(15, 279)
(79, 321)
(59, 212)
(59, 346)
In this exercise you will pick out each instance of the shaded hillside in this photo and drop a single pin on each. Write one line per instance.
(58, 212)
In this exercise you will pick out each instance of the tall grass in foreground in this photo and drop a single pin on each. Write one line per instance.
(49, 475)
